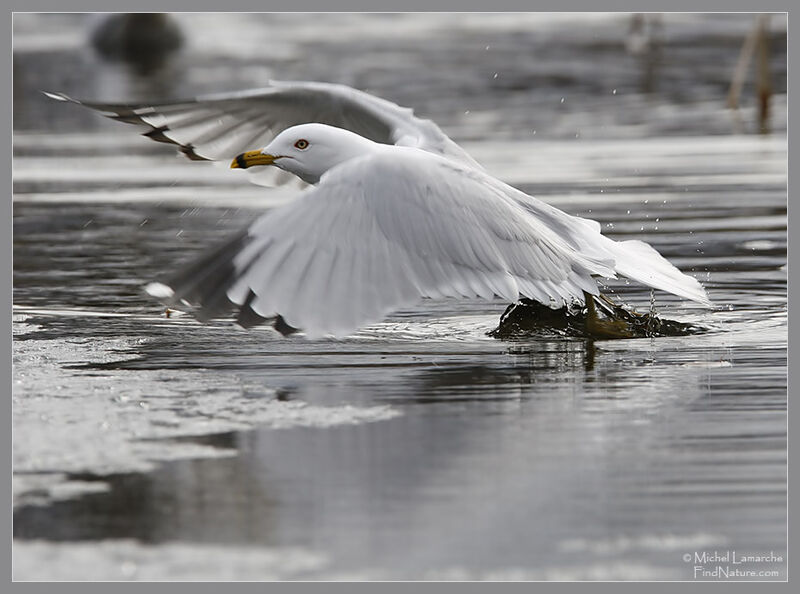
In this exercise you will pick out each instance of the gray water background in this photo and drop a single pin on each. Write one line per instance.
(418, 448)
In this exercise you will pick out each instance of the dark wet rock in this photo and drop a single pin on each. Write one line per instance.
(600, 319)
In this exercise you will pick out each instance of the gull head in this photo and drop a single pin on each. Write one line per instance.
(307, 151)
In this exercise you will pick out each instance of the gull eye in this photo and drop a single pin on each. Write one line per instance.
(301, 144)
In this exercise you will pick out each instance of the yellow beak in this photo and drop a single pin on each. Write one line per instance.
(250, 159)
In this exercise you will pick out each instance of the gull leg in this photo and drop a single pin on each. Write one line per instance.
(598, 327)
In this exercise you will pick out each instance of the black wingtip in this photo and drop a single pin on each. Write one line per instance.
(157, 134)
(247, 317)
(281, 326)
(188, 151)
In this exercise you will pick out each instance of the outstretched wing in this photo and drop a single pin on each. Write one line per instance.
(377, 234)
(219, 127)
(632, 258)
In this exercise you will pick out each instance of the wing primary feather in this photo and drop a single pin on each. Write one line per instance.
(214, 263)
(247, 317)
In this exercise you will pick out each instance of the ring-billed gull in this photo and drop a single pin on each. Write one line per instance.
(396, 212)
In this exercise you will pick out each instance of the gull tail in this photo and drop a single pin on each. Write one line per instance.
(639, 261)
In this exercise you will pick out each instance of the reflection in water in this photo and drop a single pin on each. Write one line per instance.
(587, 454)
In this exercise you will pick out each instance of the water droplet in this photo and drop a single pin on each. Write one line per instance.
(495, 75)
(466, 112)
(614, 92)
(646, 201)
(562, 100)
(487, 47)
(657, 220)
(628, 212)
